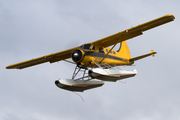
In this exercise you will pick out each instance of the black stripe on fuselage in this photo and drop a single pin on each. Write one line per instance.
(101, 55)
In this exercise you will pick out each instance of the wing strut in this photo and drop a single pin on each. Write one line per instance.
(69, 61)
(126, 31)
(109, 51)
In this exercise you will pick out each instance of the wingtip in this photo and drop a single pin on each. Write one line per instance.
(171, 16)
(10, 67)
(7, 67)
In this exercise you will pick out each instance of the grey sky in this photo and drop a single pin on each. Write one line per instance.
(30, 29)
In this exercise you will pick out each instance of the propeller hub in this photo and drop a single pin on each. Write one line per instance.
(77, 55)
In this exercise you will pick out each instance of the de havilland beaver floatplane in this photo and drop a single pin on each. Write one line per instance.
(95, 61)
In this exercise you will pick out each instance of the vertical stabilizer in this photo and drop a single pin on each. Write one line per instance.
(124, 50)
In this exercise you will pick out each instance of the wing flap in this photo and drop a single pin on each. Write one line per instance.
(60, 57)
(133, 32)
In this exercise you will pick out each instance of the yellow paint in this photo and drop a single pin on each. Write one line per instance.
(123, 54)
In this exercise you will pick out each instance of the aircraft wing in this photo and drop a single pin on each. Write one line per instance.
(54, 57)
(108, 41)
(133, 32)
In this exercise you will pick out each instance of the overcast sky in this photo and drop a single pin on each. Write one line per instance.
(33, 28)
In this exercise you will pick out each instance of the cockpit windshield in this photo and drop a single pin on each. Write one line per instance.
(81, 46)
(87, 46)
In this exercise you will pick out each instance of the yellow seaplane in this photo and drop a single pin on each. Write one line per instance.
(95, 61)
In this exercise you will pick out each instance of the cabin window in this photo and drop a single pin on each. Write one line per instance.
(87, 46)
(101, 50)
(114, 52)
(111, 51)
(107, 50)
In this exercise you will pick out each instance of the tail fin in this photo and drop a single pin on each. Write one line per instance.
(124, 50)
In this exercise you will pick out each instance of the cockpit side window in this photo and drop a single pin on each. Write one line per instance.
(93, 47)
(87, 46)
(101, 50)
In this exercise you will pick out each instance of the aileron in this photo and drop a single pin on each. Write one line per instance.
(54, 57)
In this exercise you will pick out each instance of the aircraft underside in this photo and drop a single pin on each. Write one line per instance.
(92, 78)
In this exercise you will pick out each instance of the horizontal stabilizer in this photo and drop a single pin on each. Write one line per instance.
(143, 56)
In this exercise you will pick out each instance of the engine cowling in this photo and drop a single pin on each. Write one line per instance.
(77, 55)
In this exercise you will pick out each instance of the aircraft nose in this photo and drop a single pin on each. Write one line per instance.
(57, 82)
(77, 55)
